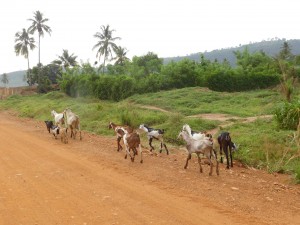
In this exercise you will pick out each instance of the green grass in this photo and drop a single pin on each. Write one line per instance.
(261, 144)
(191, 101)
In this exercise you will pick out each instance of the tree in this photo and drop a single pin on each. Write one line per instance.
(121, 57)
(286, 63)
(147, 64)
(44, 76)
(38, 24)
(23, 41)
(4, 79)
(105, 43)
(66, 60)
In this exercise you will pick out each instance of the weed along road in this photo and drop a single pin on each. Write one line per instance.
(43, 181)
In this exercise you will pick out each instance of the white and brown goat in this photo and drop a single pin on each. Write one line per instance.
(119, 131)
(203, 146)
(132, 141)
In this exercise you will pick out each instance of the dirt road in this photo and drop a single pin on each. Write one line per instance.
(43, 181)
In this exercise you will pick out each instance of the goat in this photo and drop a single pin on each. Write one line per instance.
(195, 135)
(64, 135)
(52, 128)
(156, 134)
(198, 135)
(119, 132)
(73, 123)
(203, 146)
(58, 118)
(132, 141)
(225, 143)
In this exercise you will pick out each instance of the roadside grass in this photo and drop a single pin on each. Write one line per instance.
(261, 143)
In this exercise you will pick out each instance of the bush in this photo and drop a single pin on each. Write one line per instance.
(287, 115)
(231, 82)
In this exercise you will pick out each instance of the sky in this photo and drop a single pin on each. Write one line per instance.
(168, 28)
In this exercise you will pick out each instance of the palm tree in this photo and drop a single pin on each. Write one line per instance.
(105, 43)
(121, 57)
(38, 24)
(65, 59)
(23, 41)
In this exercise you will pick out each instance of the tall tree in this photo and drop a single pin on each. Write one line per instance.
(66, 59)
(105, 43)
(286, 63)
(121, 57)
(4, 79)
(23, 43)
(38, 24)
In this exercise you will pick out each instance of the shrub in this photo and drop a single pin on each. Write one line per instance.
(287, 114)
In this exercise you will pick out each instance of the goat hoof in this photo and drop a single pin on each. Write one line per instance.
(160, 151)
(185, 167)
(125, 157)
(141, 161)
(132, 159)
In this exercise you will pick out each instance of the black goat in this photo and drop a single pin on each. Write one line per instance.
(51, 128)
(226, 144)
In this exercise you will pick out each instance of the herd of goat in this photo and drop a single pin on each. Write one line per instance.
(196, 142)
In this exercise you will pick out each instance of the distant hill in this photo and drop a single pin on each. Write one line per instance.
(15, 79)
(271, 48)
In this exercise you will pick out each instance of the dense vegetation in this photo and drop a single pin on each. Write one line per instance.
(148, 74)
(262, 144)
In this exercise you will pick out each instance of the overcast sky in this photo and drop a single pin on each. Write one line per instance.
(165, 27)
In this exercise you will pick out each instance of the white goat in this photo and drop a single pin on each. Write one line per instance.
(156, 134)
(203, 146)
(58, 118)
(195, 135)
(73, 123)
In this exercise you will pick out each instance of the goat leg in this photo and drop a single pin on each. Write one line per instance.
(226, 153)
(221, 154)
(187, 160)
(215, 152)
(230, 157)
(217, 167)
(199, 162)
(166, 149)
(118, 143)
(150, 141)
(161, 145)
(140, 149)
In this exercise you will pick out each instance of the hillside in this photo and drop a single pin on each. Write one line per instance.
(15, 79)
(269, 47)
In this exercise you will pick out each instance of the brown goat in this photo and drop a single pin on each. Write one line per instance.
(132, 141)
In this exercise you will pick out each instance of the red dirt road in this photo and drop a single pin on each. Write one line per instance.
(43, 181)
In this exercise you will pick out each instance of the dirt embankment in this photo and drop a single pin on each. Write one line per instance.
(44, 181)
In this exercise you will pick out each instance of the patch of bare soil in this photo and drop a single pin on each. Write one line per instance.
(44, 181)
